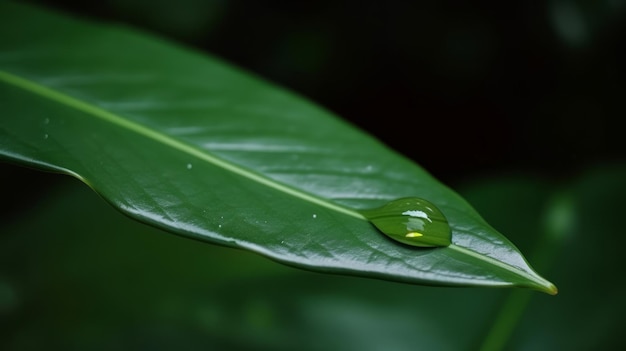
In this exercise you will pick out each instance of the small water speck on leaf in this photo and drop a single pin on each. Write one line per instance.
(189, 166)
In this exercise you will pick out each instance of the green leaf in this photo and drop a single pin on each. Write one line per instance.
(187, 143)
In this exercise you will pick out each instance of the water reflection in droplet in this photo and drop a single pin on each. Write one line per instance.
(412, 221)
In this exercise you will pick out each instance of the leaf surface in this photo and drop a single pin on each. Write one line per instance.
(187, 143)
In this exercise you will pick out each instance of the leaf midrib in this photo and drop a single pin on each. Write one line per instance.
(203, 155)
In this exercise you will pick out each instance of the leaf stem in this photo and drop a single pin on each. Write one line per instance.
(557, 224)
(506, 320)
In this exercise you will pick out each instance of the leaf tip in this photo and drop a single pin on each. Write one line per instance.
(548, 288)
(552, 289)
(543, 285)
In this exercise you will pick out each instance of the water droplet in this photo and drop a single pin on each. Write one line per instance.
(412, 221)
(314, 215)
(45, 136)
(219, 226)
(189, 166)
(46, 120)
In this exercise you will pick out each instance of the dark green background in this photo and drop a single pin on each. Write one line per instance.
(516, 106)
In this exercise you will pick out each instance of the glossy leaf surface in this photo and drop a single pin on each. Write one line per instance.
(184, 142)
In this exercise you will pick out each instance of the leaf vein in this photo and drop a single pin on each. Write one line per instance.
(110, 117)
